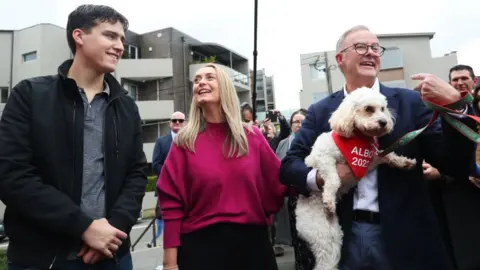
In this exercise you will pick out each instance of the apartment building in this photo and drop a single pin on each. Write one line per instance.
(157, 69)
(406, 54)
(265, 93)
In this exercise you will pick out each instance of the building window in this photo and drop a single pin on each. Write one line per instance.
(29, 56)
(130, 51)
(132, 90)
(392, 58)
(260, 106)
(3, 94)
(316, 73)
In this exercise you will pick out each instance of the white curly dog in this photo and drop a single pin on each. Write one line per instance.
(361, 117)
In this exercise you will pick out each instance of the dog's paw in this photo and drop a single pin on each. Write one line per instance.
(330, 206)
(400, 161)
(331, 216)
(409, 163)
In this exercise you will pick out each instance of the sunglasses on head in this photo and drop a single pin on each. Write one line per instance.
(177, 120)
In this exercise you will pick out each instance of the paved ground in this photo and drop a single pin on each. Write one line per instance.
(145, 258)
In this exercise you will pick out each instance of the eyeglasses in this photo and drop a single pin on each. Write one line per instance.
(297, 122)
(177, 120)
(362, 48)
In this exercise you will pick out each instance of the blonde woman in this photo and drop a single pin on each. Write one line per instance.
(219, 185)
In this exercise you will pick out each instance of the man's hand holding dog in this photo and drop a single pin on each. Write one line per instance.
(344, 172)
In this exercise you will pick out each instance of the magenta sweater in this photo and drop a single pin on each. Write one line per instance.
(206, 187)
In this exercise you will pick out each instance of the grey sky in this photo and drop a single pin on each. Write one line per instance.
(286, 28)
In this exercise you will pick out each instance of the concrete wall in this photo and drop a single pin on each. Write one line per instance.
(316, 88)
(270, 92)
(167, 43)
(2, 210)
(39, 39)
(144, 69)
(155, 109)
(6, 43)
(417, 58)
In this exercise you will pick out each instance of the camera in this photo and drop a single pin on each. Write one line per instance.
(272, 116)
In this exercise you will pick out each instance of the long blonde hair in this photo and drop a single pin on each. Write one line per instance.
(236, 140)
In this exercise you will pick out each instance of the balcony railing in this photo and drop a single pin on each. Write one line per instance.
(144, 69)
(239, 79)
(155, 109)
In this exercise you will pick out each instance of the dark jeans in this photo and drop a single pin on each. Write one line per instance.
(124, 263)
(366, 249)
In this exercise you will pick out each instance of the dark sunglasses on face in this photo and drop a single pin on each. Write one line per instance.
(177, 120)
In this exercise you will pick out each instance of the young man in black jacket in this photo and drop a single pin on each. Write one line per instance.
(71, 156)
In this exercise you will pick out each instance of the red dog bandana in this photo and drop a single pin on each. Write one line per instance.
(358, 151)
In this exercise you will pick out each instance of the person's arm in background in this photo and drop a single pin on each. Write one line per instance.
(284, 130)
(444, 147)
(156, 159)
(270, 167)
(430, 172)
(293, 171)
(284, 126)
(172, 197)
(441, 144)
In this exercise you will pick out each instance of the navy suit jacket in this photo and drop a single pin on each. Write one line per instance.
(410, 229)
(160, 152)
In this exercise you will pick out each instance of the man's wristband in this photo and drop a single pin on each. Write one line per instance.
(318, 180)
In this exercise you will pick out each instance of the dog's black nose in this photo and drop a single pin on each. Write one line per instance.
(382, 123)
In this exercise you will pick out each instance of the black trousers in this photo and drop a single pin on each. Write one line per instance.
(227, 246)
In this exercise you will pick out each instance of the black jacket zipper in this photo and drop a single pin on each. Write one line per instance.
(105, 158)
(116, 137)
(74, 148)
(105, 146)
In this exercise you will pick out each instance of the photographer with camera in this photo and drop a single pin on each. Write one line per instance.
(274, 138)
(270, 131)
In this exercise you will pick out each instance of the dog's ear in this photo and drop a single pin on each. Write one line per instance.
(342, 120)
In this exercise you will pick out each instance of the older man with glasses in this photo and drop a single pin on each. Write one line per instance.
(387, 219)
(162, 144)
(160, 153)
